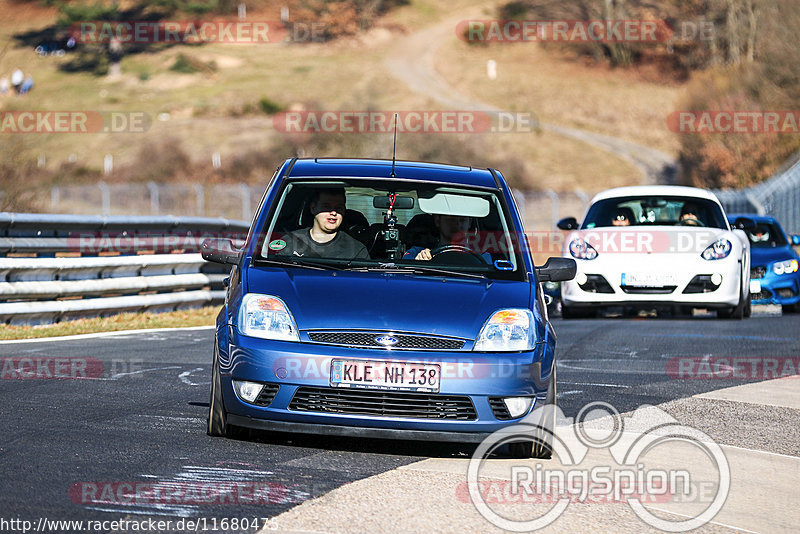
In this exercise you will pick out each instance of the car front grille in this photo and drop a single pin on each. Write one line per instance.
(758, 272)
(369, 340)
(499, 408)
(267, 395)
(764, 294)
(399, 404)
(635, 290)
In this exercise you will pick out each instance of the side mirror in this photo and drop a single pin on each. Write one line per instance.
(557, 270)
(219, 250)
(569, 223)
(796, 240)
(744, 223)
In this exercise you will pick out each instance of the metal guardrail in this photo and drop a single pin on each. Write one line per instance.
(55, 267)
(778, 196)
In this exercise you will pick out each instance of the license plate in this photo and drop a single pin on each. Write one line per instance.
(649, 279)
(406, 376)
(755, 286)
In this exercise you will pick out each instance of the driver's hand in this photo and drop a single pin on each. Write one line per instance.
(424, 255)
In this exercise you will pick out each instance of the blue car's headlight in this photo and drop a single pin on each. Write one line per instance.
(581, 250)
(717, 250)
(508, 330)
(785, 267)
(267, 317)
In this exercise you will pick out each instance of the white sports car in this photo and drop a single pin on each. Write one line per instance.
(647, 246)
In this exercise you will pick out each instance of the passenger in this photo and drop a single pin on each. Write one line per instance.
(453, 230)
(323, 239)
(623, 217)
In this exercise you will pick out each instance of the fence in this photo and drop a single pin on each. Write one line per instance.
(229, 201)
(778, 196)
(54, 267)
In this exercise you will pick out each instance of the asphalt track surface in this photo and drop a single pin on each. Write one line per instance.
(141, 419)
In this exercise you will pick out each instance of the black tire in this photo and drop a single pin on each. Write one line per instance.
(791, 308)
(541, 447)
(217, 416)
(738, 312)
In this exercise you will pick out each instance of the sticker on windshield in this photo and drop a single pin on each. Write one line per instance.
(278, 244)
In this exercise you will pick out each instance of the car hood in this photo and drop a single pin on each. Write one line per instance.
(765, 256)
(388, 301)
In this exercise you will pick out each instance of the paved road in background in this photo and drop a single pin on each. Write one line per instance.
(142, 420)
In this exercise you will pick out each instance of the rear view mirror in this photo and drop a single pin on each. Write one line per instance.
(557, 270)
(569, 223)
(400, 203)
(795, 240)
(219, 250)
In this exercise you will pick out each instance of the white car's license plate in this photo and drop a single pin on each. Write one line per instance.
(649, 279)
(408, 376)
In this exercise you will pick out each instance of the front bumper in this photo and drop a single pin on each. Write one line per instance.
(781, 289)
(476, 376)
(682, 269)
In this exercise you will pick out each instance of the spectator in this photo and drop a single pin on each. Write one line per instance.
(5, 85)
(27, 85)
(17, 77)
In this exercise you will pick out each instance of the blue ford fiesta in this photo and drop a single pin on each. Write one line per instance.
(774, 274)
(385, 299)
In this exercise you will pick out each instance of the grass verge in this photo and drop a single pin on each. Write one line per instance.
(123, 321)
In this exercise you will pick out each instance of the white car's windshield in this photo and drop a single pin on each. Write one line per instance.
(373, 223)
(655, 211)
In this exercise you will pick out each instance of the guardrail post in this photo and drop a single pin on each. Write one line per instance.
(105, 194)
(244, 189)
(154, 201)
(584, 200)
(200, 198)
(553, 196)
(54, 196)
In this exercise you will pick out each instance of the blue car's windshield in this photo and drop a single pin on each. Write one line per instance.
(392, 225)
(766, 235)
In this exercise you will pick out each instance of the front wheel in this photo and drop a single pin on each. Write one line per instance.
(217, 416)
(541, 447)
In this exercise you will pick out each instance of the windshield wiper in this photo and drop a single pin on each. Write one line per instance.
(416, 269)
(261, 262)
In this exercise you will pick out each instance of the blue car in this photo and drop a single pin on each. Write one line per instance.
(774, 275)
(385, 299)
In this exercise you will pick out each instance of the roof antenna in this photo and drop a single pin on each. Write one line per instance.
(394, 145)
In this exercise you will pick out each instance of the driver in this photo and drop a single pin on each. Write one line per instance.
(689, 215)
(453, 230)
(323, 239)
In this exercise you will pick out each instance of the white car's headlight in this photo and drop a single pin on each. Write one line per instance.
(267, 317)
(785, 267)
(717, 250)
(508, 330)
(581, 250)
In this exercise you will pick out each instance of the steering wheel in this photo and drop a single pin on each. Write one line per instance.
(691, 222)
(459, 250)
